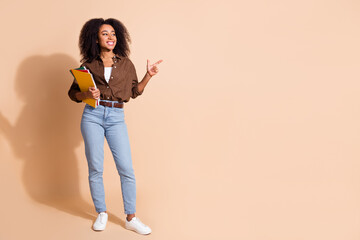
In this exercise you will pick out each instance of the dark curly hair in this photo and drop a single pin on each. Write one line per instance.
(89, 49)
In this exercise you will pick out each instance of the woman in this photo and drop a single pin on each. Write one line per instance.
(104, 46)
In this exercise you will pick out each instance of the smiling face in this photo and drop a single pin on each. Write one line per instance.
(106, 37)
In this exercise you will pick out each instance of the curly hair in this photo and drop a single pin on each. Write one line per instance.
(89, 49)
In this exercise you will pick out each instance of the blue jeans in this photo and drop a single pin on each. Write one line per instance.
(108, 122)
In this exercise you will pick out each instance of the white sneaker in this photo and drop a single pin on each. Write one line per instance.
(100, 222)
(136, 225)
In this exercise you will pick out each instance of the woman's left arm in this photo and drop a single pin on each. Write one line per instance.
(152, 69)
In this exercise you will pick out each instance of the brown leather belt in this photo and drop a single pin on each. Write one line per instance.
(112, 104)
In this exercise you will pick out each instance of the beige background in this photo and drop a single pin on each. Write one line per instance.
(249, 131)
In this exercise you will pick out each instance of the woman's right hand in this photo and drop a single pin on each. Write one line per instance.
(93, 93)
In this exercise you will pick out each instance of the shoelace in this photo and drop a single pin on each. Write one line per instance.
(138, 220)
(102, 217)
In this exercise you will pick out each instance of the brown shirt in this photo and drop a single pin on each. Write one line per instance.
(122, 85)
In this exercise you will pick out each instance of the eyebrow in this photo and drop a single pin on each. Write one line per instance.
(107, 30)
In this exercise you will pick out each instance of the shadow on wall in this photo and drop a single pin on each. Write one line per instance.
(47, 132)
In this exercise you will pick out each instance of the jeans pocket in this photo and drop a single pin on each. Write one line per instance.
(118, 109)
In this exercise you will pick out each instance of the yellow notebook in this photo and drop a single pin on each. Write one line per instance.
(85, 80)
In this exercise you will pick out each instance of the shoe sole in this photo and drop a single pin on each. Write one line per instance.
(98, 230)
(137, 231)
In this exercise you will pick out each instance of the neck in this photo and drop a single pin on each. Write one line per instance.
(107, 54)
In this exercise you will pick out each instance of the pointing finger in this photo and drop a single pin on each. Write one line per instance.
(158, 62)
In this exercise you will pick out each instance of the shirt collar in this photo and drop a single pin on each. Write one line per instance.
(116, 56)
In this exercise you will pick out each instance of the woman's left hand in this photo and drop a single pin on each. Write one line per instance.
(152, 69)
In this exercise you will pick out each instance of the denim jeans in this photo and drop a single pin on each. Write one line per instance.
(108, 122)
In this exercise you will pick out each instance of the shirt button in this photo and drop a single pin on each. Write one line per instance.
(114, 66)
(107, 87)
(112, 77)
(108, 97)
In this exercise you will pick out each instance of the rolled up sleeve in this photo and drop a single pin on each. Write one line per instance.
(134, 90)
(74, 88)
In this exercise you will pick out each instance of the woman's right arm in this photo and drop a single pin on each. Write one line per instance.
(77, 96)
(74, 92)
(93, 93)
(81, 95)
